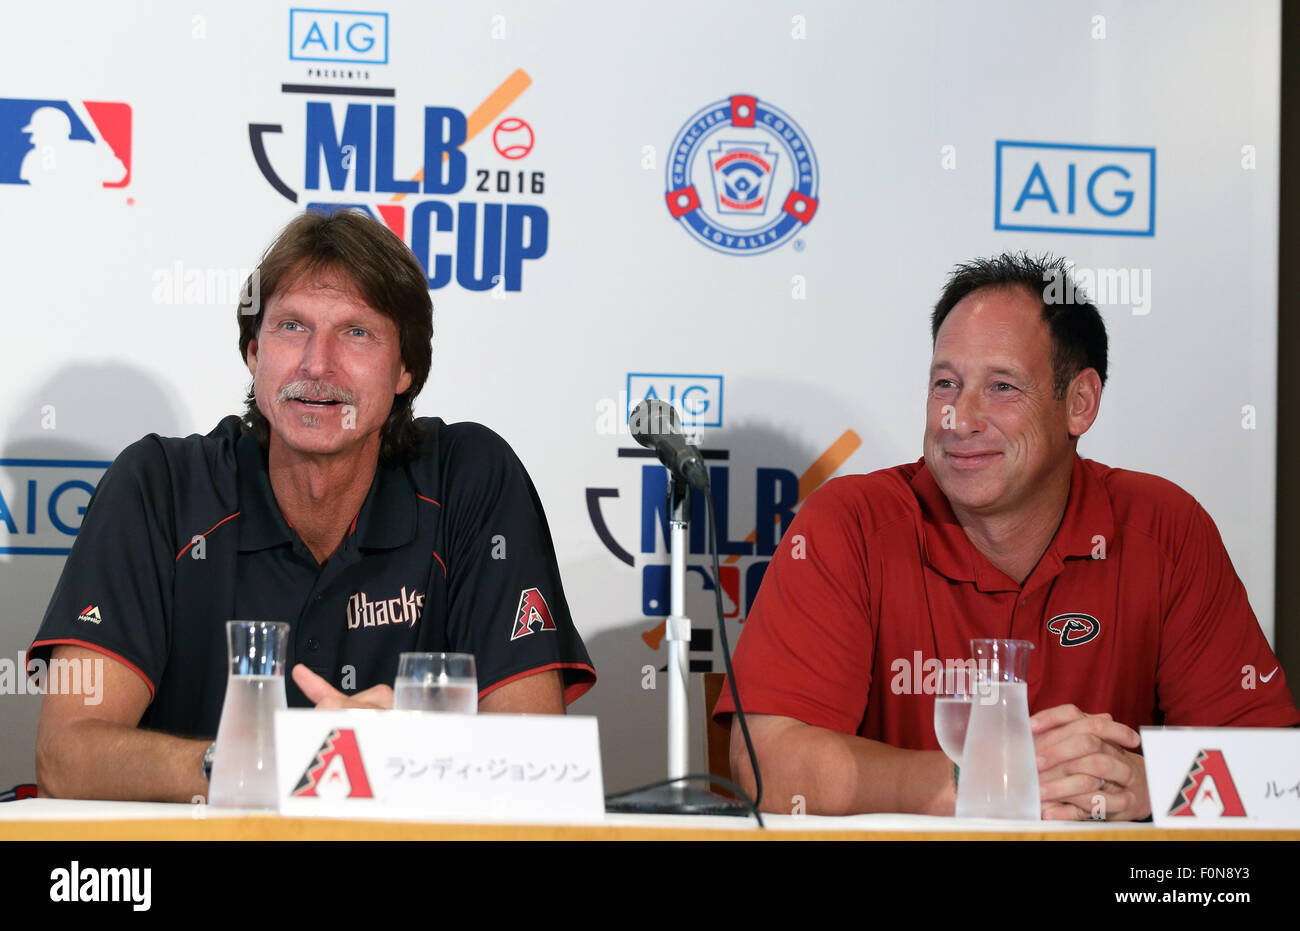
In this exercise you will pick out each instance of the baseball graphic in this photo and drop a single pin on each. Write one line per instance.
(513, 138)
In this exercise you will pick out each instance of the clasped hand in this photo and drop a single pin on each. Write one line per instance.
(1084, 770)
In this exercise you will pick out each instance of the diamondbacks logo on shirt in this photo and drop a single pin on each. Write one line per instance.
(336, 771)
(532, 610)
(1074, 629)
(1208, 789)
(90, 613)
(403, 608)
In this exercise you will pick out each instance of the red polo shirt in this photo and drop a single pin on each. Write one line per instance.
(875, 586)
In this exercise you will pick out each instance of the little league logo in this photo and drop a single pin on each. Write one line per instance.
(742, 177)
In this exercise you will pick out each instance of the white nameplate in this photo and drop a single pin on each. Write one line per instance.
(413, 765)
(1223, 777)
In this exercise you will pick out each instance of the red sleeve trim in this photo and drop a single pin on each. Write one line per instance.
(571, 693)
(99, 649)
(440, 562)
(423, 498)
(214, 527)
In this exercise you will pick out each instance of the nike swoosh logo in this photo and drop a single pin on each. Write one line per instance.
(1270, 675)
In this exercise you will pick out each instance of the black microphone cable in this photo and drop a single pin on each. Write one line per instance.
(726, 653)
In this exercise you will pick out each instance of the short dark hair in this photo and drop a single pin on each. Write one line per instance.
(385, 274)
(1078, 332)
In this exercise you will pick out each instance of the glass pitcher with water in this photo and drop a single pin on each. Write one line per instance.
(243, 766)
(999, 774)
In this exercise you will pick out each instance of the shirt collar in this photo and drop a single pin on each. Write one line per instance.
(387, 519)
(260, 522)
(388, 515)
(949, 551)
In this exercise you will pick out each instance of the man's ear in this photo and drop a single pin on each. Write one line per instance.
(250, 357)
(1083, 401)
(403, 382)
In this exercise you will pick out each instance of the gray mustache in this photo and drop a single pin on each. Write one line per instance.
(315, 390)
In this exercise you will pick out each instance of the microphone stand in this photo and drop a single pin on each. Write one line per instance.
(679, 798)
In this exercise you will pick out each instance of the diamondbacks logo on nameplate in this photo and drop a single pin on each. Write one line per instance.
(1074, 629)
(532, 610)
(336, 771)
(1208, 789)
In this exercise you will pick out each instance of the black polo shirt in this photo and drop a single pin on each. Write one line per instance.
(449, 552)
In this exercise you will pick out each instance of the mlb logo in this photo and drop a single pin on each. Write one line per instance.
(338, 35)
(742, 176)
(656, 589)
(65, 145)
(1048, 187)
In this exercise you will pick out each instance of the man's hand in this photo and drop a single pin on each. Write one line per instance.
(1083, 767)
(324, 696)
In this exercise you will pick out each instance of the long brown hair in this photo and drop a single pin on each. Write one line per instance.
(385, 274)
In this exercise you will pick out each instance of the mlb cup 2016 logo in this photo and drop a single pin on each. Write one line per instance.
(742, 177)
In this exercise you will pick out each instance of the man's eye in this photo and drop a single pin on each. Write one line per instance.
(944, 383)
(289, 324)
(1004, 387)
(358, 331)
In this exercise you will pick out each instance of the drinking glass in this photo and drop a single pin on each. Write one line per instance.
(243, 766)
(436, 682)
(951, 716)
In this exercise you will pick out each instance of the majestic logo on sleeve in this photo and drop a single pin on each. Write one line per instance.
(1074, 629)
(336, 771)
(403, 608)
(532, 611)
(90, 613)
(1208, 789)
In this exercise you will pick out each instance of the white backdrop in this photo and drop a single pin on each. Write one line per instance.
(903, 105)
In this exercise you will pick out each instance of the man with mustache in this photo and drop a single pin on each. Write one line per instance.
(327, 505)
(1118, 578)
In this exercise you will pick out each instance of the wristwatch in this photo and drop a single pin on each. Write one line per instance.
(208, 756)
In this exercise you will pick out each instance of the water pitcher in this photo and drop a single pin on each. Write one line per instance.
(243, 768)
(999, 775)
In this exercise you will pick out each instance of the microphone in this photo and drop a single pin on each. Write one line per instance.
(655, 425)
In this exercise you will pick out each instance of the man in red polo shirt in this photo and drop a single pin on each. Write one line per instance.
(1118, 578)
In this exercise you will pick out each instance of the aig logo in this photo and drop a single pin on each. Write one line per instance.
(336, 35)
(1044, 187)
(42, 502)
(698, 398)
